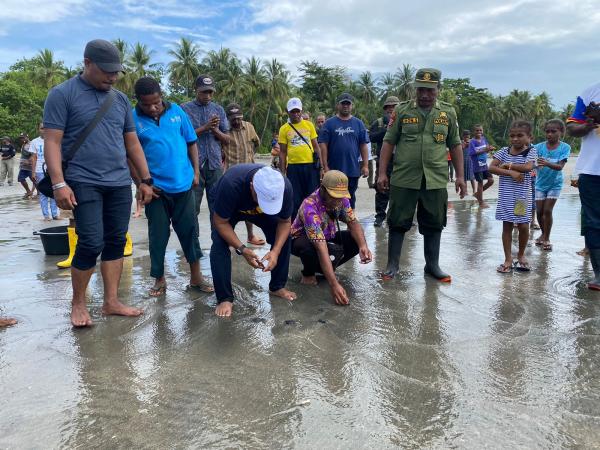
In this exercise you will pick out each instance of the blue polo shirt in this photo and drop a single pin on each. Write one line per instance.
(165, 145)
(101, 159)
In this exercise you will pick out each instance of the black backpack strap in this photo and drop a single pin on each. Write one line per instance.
(90, 127)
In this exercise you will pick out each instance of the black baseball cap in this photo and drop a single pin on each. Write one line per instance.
(105, 55)
(205, 83)
(345, 97)
(234, 111)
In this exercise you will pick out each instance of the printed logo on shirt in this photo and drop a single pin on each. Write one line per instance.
(343, 131)
(176, 119)
(252, 212)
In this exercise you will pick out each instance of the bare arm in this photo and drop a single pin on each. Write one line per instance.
(385, 155)
(221, 137)
(337, 290)
(226, 231)
(581, 129)
(364, 153)
(65, 199)
(358, 235)
(136, 155)
(283, 158)
(317, 149)
(324, 156)
(193, 156)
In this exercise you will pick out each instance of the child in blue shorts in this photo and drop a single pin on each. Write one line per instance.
(553, 154)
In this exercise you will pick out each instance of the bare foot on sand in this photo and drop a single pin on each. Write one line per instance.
(284, 293)
(80, 317)
(6, 322)
(116, 308)
(311, 281)
(224, 309)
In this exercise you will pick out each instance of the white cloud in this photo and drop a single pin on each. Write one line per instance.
(40, 11)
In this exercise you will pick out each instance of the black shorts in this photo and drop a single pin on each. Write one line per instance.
(23, 175)
(482, 176)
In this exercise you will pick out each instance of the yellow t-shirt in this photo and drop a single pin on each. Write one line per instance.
(297, 150)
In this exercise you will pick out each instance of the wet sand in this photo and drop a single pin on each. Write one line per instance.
(490, 360)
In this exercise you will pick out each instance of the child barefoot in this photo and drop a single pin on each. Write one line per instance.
(514, 165)
(478, 149)
(553, 154)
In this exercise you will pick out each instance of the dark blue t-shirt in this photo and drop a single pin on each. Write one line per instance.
(343, 139)
(101, 159)
(233, 196)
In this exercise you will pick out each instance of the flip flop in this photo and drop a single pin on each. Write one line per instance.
(383, 276)
(157, 292)
(257, 241)
(204, 286)
(521, 267)
(502, 268)
(547, 246)
(539, 242)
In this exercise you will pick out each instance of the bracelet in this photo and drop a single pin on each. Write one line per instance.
(58, 186)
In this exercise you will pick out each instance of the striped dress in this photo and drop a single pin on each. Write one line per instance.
(510, 191)
(468, 164)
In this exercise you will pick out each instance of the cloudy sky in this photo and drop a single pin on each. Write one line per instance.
(539, 45)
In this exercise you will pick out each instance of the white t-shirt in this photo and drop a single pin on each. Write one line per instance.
(588, 161)
(37, 147)
(369, 151)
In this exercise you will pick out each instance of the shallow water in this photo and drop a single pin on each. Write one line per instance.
(489, 360)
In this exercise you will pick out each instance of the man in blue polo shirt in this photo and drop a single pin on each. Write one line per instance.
(343, 139)
(96, 184)
(262, 196)
(169, 143)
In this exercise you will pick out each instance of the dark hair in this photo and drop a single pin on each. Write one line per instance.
(146, 86)
(557, 122)
(477, 125)
(465, 133)
(524, 124)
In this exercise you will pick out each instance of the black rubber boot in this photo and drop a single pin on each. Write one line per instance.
(431, 249)
(595, 260)
(395, 241)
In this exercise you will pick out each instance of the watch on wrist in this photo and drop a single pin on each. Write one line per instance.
(240, 249)
(147, 181)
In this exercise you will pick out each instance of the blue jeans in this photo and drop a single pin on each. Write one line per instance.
(589, 192)
(45, 200)
(101, 221)
(220, 256)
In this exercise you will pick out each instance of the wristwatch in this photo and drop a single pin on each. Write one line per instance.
(147, 181)
(240, 249)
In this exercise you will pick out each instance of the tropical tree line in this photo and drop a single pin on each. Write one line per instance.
(262, 88)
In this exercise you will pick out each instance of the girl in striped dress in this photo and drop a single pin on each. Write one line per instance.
(513, 165)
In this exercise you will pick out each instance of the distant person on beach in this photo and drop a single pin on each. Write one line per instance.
(479, 149)
(7, 161)
(584, 123)
(317, 239)
(242, 145)
(97, 181)
(37, 160)
(320, 121)
(169, 142)
(376, 134)
(421, 130)
(515, 203)
(260, 195)
(211, 125)
(465, 138)
(343, 138)
(552, 154)
(25, 168)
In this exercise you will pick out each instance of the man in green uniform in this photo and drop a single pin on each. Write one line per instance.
(421, 130)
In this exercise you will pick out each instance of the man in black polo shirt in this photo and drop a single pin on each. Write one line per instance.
(97, 182)
(262, 196)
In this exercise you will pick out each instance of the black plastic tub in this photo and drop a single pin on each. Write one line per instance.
(55, 240)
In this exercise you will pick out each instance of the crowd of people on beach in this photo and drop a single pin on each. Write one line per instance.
(92, 144)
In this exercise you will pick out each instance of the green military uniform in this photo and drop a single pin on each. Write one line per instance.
(420, 170)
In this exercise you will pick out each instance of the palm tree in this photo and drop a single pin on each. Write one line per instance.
(184, 69)
(277, 89)
(255, 82)
(47, 70)
(367, 90)
(123, 48)
(404, 79)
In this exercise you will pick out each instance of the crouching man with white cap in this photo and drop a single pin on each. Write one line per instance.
(262, 196)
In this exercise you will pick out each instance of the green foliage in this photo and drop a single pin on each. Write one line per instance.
(262, 89)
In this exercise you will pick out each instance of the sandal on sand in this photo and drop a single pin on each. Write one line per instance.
(539, 242)
(204, 286)
(503, 268)
(521, 267)
(256, 241)
(384, 276)
(547, 246)
(157, 291)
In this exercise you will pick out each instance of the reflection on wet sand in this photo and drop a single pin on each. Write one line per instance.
(488, 360)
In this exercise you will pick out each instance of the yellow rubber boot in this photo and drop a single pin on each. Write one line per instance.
(72, 244)
(128, 250)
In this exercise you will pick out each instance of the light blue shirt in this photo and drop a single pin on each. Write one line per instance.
(165, 145)
(548, 179)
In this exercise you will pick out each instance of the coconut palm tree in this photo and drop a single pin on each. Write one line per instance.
(277, 90)
(255, 82)
(46, 70)
(404, 79)
(184, 69)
